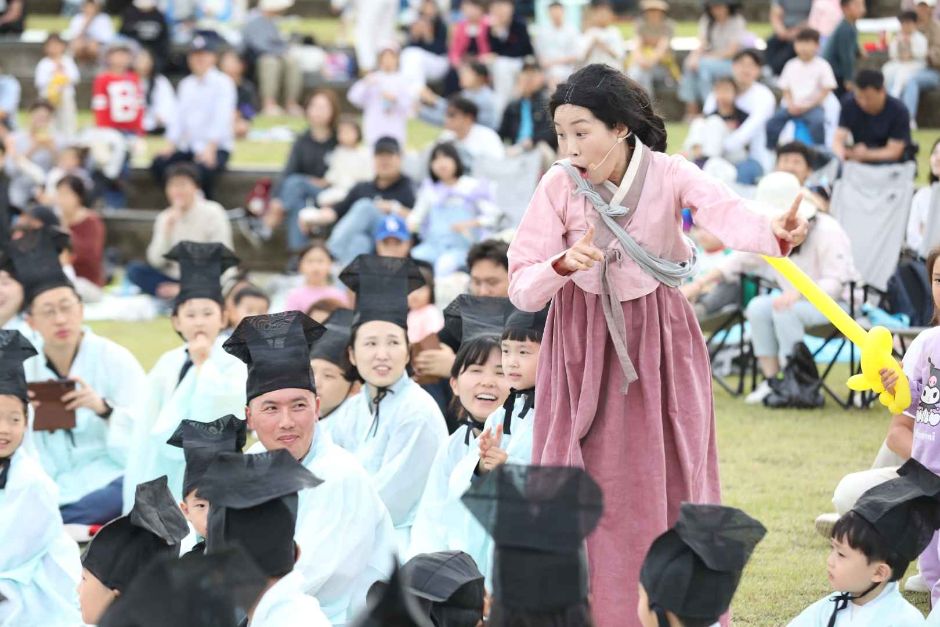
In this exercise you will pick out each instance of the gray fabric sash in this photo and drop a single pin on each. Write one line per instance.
(615, 218)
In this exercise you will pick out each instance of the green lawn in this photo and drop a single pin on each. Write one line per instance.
(779, 466)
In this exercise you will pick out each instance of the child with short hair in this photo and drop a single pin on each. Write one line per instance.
(908, 55)
(201, 442)
(89, 31)
(117, 99)
(706, 138)
(41, 568)
(424, 318)
(247, 300)
(691, 571)
(385, 98)
(350, 162)
(56, 77)
(195, 381)
(602, 41)
(315, 264)
(872, 545)
(806, 81)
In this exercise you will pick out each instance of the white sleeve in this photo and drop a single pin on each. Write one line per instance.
(917, 220)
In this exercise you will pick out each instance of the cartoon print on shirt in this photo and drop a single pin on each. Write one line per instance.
(929, 410)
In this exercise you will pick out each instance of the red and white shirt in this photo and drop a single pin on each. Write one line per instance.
(118, 102)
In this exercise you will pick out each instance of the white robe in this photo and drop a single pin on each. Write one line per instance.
(94, 453)
(344, 532)
(889, 609)
(398, 449)
(206, 393)
(286, 605)
(39, 564)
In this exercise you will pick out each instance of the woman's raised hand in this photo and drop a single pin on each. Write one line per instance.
(581, 256)
(789, 226)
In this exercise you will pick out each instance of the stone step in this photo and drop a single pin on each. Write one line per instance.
(232, 187)
(129, 231)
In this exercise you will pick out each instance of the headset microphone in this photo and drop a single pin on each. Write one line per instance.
(620, 140)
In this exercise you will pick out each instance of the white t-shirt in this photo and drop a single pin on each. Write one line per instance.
(480, 143)
(612, 38)
(806, 82)
(760, 104)
(917, 220)
(100, 29)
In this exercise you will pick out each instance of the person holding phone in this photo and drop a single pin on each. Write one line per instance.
(86, 462)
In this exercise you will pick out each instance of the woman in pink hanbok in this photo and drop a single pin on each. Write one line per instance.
(624, 383)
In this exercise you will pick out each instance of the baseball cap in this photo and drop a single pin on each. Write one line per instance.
(392, 226)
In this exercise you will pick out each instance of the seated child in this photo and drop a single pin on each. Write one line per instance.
(254, 500)
(41, 569)
(872, 545)
(315, 264)
(707, 134)
(479, 389)
(507, 435)
(908, 52)
(244, 301)
(125, 546)
(196, 381)
(691, 571)
(335, 384)
(424, 318)
(448, 584)
(201, 442)
(350, 163)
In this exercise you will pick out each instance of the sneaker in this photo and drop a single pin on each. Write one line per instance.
(761, 392)
(825, 523)
(916, 583)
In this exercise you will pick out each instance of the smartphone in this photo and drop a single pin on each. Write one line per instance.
(51, 415)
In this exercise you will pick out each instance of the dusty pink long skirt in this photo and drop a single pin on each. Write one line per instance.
(649, 450)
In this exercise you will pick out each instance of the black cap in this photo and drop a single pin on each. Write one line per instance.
(123, 548)
(904, 511)
(195, 591)
(202, 441)
(205, 41)
(382, 285)
(253, 503)
(14, 350)
(201, 268)
(392, 605)
(468, 317)
(276, 348)
(693, 569)
(527, 320)
(333, 343)
(33, 259)
(539, 517)
(447, 580)
(386, 145)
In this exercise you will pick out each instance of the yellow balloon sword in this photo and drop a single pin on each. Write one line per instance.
(875, 345)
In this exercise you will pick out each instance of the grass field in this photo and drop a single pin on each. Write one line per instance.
(779, 466)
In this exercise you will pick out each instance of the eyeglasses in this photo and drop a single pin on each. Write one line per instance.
(51, 312)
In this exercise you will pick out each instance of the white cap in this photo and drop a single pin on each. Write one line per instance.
(776, 192)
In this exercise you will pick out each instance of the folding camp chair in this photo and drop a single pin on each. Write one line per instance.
(871, 203)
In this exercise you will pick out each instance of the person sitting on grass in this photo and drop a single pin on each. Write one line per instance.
(872, 545)
(40, 570)
(87, 462)
(195, 381)
(201, 442)
(692, 571)
(315, 266)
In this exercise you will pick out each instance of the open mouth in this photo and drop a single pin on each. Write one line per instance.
(382, 371)
(582, 171)
(486, 398)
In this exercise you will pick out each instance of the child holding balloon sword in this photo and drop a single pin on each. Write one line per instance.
(922, 419)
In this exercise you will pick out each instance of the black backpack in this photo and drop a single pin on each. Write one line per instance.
(909, 291)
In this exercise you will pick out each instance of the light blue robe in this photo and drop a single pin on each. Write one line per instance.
(933, 620)
(213, 390)
(39, 564)
(441, 522)
(344, 532)
(95, 452)
(397, 451)
(889, 609)
(286, 605)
